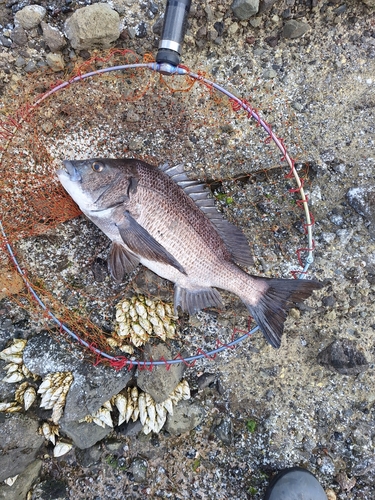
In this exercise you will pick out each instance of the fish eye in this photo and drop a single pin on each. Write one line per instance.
(97, 166)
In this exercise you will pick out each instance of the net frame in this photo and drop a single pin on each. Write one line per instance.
(119, 362)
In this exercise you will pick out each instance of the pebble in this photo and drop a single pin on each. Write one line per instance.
(53, 37)
(186, 416)
(30, 16)
(55, 61)
(244, 9)
(5, 42)
(138, 468)
(295, 29)
(93, 26)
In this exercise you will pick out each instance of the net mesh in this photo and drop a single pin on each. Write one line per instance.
(135, 113)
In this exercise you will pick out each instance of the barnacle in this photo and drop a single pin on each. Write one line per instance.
(25, 395)
(10, 480)
(54, 388)
(139, 318)
(16, 370)
(49, 431)
(61, 448)
(133, 404)
(11, 407)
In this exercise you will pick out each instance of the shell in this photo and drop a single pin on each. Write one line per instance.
(121, 403)
(142, 408)
(10, 480)
(13, 377)
(11, 407)
(49, 431)
(61, 448)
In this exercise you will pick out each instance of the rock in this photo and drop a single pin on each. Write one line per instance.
(369, 3)
(362, 199)
(120, 6)
(30, 16)
(138, 468)
(130, 429)
(266, 5)
(84, 434)
(89, 456)
(53, 37)
(223, 431)
(244, 9)
(50, 488)
(343, 357)
(94, 26)
(91, 387)
(19, 36)
(295, 29)
(186, 416)
(55, 61)
(5, 42)
(160, 381)
(19, 444)
(23, 483)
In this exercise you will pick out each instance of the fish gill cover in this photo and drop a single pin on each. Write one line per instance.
(142, 114)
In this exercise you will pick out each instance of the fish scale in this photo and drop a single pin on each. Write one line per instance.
(167, 222)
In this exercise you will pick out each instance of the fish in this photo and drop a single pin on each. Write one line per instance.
(160, 218)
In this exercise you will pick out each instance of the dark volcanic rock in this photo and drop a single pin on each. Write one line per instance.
(343, 357)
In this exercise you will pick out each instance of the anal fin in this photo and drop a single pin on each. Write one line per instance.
(192, 301)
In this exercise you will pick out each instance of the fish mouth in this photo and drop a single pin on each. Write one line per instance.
(70, 170)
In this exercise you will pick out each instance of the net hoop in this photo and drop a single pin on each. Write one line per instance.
(237, 103)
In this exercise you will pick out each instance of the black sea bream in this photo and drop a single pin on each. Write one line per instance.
(168, 223)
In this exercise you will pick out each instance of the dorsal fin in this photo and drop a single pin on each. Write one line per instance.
(232, 236)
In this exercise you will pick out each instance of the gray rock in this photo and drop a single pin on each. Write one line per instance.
(139, 469)
(50, 488)
(89, 456)
(19, 36)
(186, 416)
(244, 9)
(19, 444)
(93, 26)
(30, 66)
(53, 37)
(344, 357)
(223, 431)
(84, 434)
(23, 483)
(5, 42)
(160, 381)
(55, 61)
(295, 29)
(91, 387)
(30, 16)
(362, 199)
(266, 5)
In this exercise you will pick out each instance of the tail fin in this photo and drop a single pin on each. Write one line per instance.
(272, 308)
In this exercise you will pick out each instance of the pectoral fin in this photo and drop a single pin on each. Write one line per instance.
(121, 262)
(140, 242)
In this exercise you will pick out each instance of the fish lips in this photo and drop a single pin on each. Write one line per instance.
(70, 171)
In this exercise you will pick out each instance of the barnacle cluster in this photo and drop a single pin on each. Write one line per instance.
(54, 388)
(139, 318)
(16, 370)
(25, 394)
(133, 404)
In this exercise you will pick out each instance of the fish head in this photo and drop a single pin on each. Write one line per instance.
(96, 184)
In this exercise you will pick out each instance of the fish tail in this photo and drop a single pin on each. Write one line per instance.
(274, 299)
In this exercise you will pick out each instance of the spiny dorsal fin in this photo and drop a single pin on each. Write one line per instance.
(232, 236)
